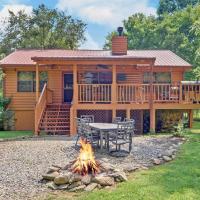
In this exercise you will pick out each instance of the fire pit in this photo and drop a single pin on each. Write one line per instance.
(86, 163)
(84, 173)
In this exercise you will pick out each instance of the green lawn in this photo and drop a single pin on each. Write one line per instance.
(14, 134)
(177, 180)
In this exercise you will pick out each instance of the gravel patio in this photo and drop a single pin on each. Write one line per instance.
(22, 163)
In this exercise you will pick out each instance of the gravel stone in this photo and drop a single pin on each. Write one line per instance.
(24, 162)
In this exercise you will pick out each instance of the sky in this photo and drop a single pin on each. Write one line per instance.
(101, 16)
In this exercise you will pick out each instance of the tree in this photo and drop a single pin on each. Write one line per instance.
(44, 28)
(170, 6)
(178, 32)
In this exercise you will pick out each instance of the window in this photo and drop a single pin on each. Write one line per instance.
(121, 77)
(97, 77)
(27, 82)
(158, 77)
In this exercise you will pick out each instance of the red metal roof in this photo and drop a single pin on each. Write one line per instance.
(24, 56)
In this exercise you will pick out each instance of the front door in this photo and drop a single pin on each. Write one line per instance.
(68, 87)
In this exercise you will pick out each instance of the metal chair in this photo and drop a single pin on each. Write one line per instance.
(116, 120)
(90, 135)
(79, 130)
(122, 136)
(90, 118)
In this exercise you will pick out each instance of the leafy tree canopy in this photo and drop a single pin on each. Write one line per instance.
(44, 28)
(169, 6)
(178, 32)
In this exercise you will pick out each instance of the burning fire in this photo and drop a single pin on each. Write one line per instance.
(85, 163)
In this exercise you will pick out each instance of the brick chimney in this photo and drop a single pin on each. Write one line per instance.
(119, 43)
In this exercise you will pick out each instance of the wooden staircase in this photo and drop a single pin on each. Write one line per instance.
(56, 119)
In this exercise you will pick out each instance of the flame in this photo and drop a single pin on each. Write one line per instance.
(85, 163)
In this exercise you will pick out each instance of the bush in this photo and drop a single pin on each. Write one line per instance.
(179, 130)
(6, 115)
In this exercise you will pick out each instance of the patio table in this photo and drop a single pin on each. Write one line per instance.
(102, 128)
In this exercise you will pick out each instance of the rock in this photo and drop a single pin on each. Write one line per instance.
(86, 179)
(130, 168)
(104, 180)
(159, 155)
(75, 178)
(51, 176)
(106, 160)
(75, 184)
(63, 187)
(91, 187)
(52, 185)
(62, 179)
(107, 166)
(99, 186)
(53, 169)
(119, 176)
(57, 166)
(156, 161)
(166, 158)
(173, 156)
(79, 188)
(169, 152)
(144, 168)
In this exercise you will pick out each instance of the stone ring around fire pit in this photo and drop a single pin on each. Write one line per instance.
(85, 173)
(58, 178)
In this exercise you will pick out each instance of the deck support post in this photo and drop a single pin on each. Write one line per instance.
(73, 114)
(128, 113)
(190, 118)
(152, 120)
(37, 82)
(113, 114)
(73, 110)
(151, 101)
(114, 85)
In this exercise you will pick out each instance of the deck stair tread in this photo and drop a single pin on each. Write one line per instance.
(56, 119)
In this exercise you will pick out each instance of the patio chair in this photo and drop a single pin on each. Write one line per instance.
(116, 120)
(90, 118)
(80, 133)
(122, 136)
(91, 135)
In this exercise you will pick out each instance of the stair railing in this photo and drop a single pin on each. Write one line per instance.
(44, 99)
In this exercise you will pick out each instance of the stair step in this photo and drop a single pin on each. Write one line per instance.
(56, 119)
(54, 129)
(57, 111)
(57, 123)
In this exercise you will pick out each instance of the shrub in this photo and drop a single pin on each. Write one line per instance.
(6, 115)
(179, 130)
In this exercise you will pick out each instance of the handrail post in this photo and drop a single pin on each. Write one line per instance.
(37, 81)
(180, 93)
(75, 85)
(114, 85)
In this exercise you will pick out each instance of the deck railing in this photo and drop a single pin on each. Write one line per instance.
(44, 99)
(190, 93)
(94, 93)
(166, 92)
(133, 93)
(139, 93)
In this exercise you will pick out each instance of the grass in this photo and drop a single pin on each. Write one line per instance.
(14, 134)
(176, 180)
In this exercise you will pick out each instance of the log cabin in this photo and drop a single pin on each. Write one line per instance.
(50, 87)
